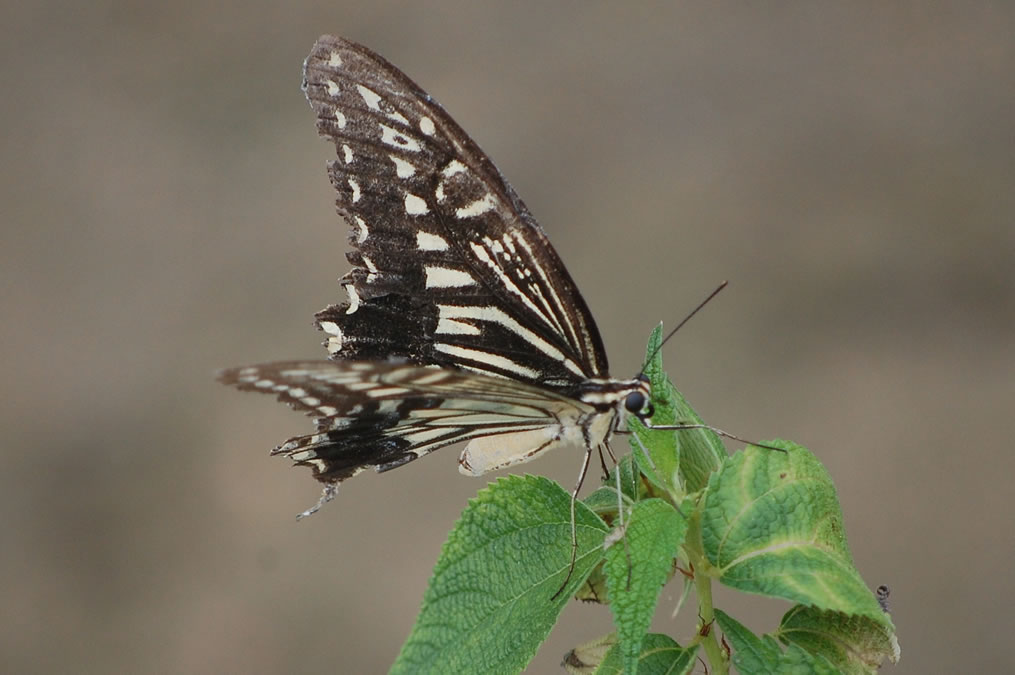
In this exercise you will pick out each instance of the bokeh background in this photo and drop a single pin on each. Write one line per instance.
(849, 167)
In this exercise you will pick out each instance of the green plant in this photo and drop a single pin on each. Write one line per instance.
(762, 521)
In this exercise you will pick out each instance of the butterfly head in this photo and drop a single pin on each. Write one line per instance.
(638, 402)
(607, 395)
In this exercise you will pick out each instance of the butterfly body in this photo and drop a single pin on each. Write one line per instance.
(461, 322)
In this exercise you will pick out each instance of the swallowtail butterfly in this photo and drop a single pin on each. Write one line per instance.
(461, 323)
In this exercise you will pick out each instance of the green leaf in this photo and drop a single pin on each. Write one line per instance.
(752, 654)
(604, 499)
(701, 450)
(488, 605)
(660, 655)
(691, 454)
(855, 644)
(661, 463)
(637, 566)
(772, 525)
(604, 503)
(594, 588)
(632, 483)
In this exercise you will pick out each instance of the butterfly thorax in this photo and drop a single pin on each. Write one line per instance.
(609, 399)
(590, 425)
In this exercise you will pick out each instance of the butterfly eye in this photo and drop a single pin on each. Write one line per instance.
(637, 404)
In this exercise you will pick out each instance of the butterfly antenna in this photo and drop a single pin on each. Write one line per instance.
(680, 325)
(714, 430)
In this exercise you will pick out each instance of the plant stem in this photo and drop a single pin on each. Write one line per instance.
(716, 658)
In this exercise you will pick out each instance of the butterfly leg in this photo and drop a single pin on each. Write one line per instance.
(574, 524)
(602, 461)
(620, 531)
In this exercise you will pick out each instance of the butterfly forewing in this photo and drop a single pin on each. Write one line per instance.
(450, 269)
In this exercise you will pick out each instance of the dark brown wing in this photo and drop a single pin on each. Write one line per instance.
(450, 268)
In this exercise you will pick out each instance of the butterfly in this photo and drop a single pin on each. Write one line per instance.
(461, 323)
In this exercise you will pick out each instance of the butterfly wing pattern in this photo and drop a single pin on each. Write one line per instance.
(461, 323)
(444, 250)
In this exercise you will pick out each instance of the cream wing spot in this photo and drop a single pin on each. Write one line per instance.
(403, 169)
(334, 60)
(425, 435)
(387, 391)
(398, 117)
(494, 245)
(362, 232)
(447, 277)
(355, 190)
(453, 167)
(353, 299)
(397, 139)
(248, 375)
(432, 378)
(415, 206)
(427, 241)
(334, 343)
(332, 88)
(390, 406)
(476, 208)
(370, 97)
(371, 268)
(447, 326)
(510, 244)
(426, 126)
(347, 153)
(340, 119)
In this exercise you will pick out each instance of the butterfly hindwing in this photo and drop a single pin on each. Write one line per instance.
(450, 268)
(385, 414)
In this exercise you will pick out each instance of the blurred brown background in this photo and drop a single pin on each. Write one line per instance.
(849, 168)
